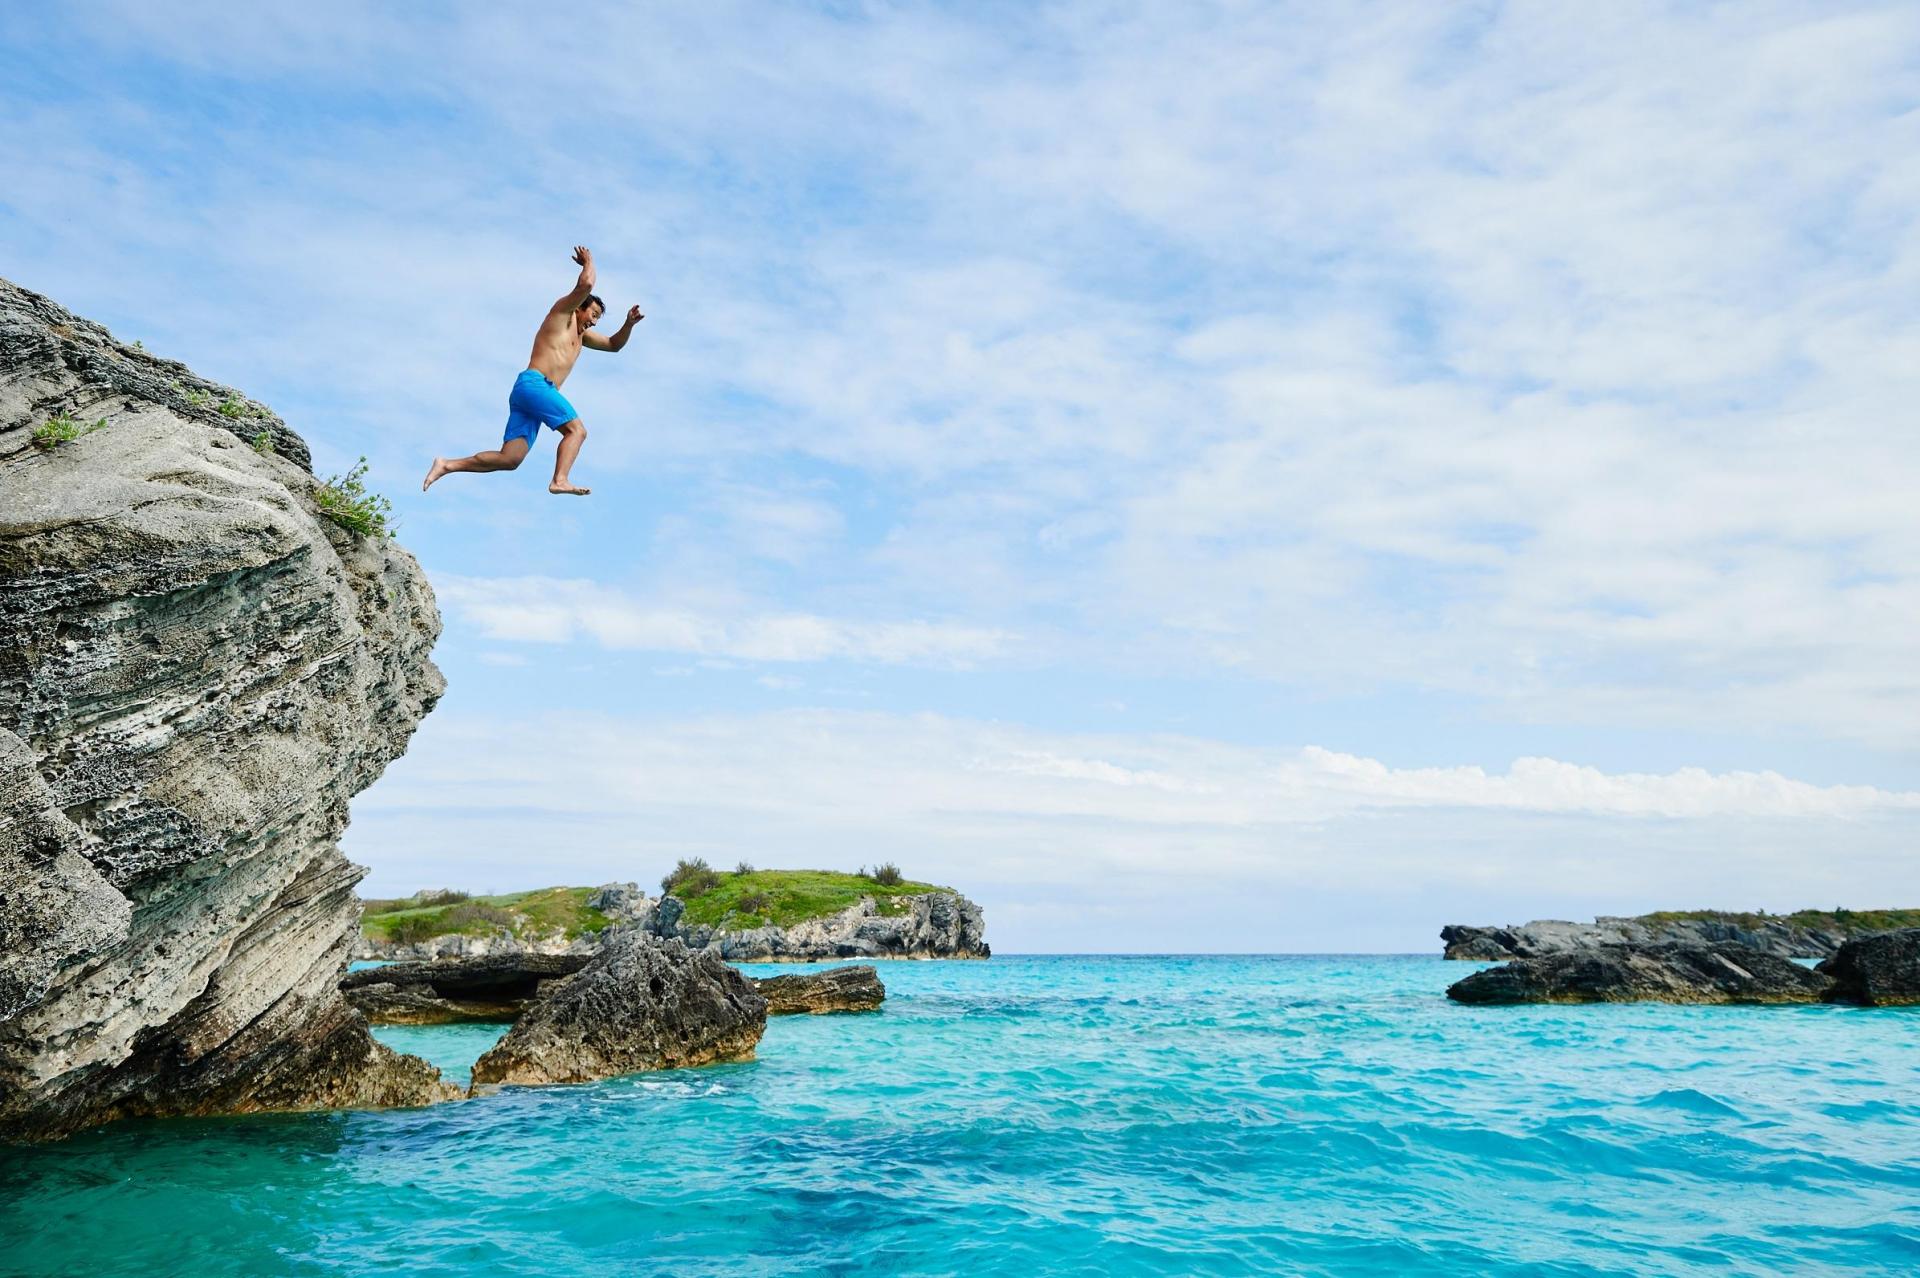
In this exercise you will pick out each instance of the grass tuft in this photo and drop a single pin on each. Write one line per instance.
(263, 443)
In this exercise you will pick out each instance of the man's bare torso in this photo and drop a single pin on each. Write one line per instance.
(556, 347)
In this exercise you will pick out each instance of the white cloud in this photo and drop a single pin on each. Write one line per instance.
(1551, 358)
(1123, 842)
(554, 610)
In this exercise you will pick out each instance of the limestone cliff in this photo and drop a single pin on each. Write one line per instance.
(197, 672)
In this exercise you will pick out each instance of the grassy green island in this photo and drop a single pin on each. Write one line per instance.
(737, 899)
(1842, 922)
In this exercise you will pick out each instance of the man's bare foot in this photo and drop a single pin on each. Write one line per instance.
(439, 469)
(570, 490)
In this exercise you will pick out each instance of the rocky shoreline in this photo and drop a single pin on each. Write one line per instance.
(501, 987)
(1882, 970)
(1808, 934)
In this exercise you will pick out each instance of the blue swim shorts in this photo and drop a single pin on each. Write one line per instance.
(534, 401)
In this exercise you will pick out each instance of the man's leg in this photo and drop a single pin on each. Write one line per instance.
(572, 435)
(506, 457)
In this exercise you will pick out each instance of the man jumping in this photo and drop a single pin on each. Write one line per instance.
(536, 399)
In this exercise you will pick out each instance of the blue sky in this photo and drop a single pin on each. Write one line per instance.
(1238, 476)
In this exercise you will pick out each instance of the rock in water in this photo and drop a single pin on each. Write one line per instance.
(642, 1003)
(838, 989)
(452, 991)
(1877, 971)
(1635, 974)
(197, 672)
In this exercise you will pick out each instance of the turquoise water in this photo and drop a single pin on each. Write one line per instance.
(1036, 1116)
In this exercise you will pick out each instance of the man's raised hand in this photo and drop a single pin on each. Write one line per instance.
(582, 254)
(633, 315)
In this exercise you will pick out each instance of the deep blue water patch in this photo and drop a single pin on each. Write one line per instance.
(1040, 1116)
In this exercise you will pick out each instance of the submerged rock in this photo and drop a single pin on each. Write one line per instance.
(1632, 974)
(451, 991)
(838, 989)
(641, 1004)
(197, 672)
(1876, 971)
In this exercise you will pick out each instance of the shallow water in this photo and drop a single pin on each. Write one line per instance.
(1038, 1116)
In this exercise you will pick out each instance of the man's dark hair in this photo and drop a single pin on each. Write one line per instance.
(593, 299)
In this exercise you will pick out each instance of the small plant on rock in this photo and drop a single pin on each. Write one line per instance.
(345, 500)
(62, 429)
(231, 407)
(263, 443)
(198, 398)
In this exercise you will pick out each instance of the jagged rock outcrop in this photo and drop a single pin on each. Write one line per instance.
(1771, 935)
(451, 991)
(936, 925)
(1634, 974)
(197, 672)
(838, 989)
(641, 1004)
(1876, 971)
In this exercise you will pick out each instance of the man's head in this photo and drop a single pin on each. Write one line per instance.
(590, 311)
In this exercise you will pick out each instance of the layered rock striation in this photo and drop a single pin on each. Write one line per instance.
(838, 989)
(197, 672)
(1771, 934)
(1637, 974)
(451, 991)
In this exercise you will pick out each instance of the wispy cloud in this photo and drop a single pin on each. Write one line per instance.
(1159, 827)
(550, 610)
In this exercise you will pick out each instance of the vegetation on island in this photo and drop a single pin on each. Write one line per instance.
(1844, 922)
(444, 912)
(744, 898)
(754, 898)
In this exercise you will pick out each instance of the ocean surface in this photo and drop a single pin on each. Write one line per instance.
(1038, 1116)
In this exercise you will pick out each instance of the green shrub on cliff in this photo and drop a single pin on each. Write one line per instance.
(690, 878)
(345, 500)
(61, 429)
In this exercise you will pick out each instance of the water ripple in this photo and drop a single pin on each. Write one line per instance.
(1056, 1116)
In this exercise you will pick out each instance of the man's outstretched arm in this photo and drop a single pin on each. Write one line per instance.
(583, 286)
(620, 335)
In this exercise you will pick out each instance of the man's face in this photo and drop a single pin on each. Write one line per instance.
(589, 316)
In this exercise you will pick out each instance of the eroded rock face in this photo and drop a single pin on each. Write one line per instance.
(1876, 971)
(197, 672)
(838, 989)
(452, 991)
(641, 1004)
(1774, 936)
(1636, 974)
